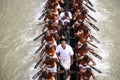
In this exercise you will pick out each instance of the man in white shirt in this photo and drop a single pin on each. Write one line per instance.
(65, 54)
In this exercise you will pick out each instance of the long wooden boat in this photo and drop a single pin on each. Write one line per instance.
(71, 40)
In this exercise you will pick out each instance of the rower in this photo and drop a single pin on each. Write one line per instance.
(51, 16)
(47, 75)
(51, 64)
(83, 49)
(65, 54)
(49, 49)
(84, 61)
(53, 28)
(79, 27)
(49, 38)
(86, 74)
(80, 15)
(83, 37)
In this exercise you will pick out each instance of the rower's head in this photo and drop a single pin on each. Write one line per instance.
(81, 24)
(85, 58)
(47, 46)
(50, 22)
(44, 74)
(84, 11)
(86, 31)
(47, 58)
(80, 4)
(84, 45)
(88, 70)
(63, 43)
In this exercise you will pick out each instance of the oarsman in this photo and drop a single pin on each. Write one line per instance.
(79, 27)
(51, 16)
(79, 6)
(65, 54)
(50, 49)
(83, 49)
(86, 74)
(85, 61)
(49, 38)
(52, 27)
(51, 64)
(80, 15)
(84, 37)
(47, 75)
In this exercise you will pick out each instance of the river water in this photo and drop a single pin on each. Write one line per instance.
(18, 27)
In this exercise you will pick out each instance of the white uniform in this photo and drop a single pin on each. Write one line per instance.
(65, 55)
(63, 14)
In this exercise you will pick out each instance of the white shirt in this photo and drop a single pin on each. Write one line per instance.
(62, 14)
(65, 55)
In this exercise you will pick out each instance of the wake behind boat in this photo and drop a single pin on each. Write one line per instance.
(65, 53)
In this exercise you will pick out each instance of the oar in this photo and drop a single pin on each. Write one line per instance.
(37, 74)
(43, 14)
(96, 39)
(90, 8)
(41, 23)
(90, 3)
(39, 61)
(92, 18)
(96, 69)
(92, 44)
(92, 25)
(40, 35)
(96, 55)
(40, 48)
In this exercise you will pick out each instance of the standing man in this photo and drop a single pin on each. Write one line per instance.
(65, 54)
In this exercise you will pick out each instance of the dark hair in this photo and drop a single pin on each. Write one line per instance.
(86, 30)
(88, 70)
(47, 57)
(81, 24)
(44, 74)
(80, 4)
(50, 21)
(85, 58)
(47, 46)
(84, 11)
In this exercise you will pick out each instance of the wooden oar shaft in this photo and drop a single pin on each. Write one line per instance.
(90, 3)
(37, 74)
(96, 39)
(92, 18)
(93, 26)
(96, 55)
(96, 69)
(40, 35)
(39, 61)
(90, 8)
(92, 44)
(40, 47)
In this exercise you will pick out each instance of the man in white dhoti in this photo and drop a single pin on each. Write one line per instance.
(65, 54)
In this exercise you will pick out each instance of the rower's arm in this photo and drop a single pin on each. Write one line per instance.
(91, 39)
(41, 53)
(43, 29)
(93, 76)
(93, 61)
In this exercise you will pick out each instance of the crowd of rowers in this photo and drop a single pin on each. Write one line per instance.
(59, 19)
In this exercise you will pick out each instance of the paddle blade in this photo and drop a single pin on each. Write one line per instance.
(37, 74)
(40, 47)
(92, 25)
(37, 64)
(90, 3)
(90, 8)
(96, 70)
(96, 55)
(92, 45)
(96, 39)
(43, 14)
